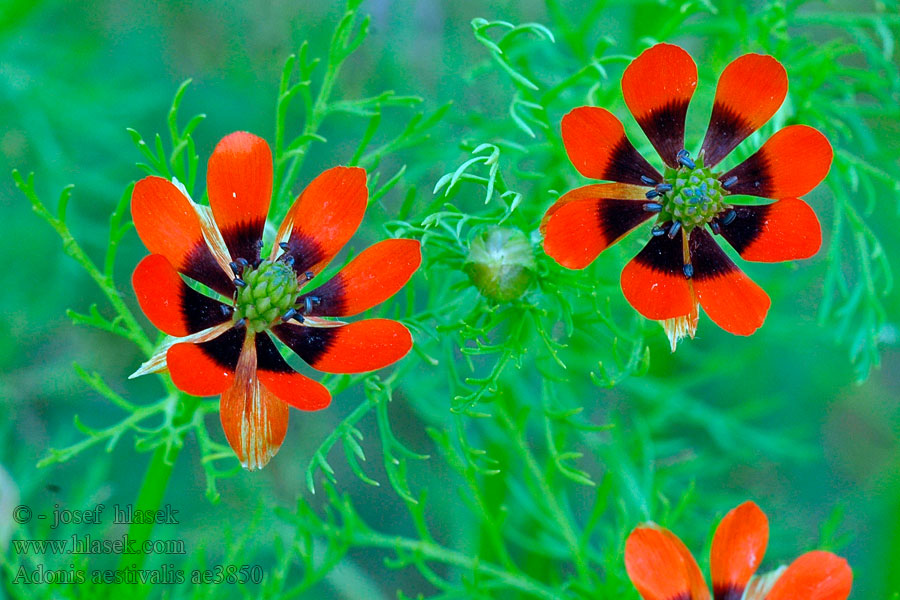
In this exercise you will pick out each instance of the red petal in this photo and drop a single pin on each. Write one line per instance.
(168, 301)
(791, 163)
(254, 419)
(654, 282)
(728, 296)
(785, 230)
(206, 369)
(324, 217)
(814, 576)
(239, 183)
(354, 348)
(660, 566)
(658, 86)
(737, 549)
(166, 222)
(290, 386)
(750, 91)
(369, 279)
(587, 220)
(596, 144)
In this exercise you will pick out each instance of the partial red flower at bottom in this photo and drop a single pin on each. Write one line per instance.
(222, 340)
(682, 267)
(662, 568)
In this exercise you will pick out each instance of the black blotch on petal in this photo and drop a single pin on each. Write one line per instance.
(728, 592)
(202, 266)
(310, 343)
(243, 239)
(225, 350)
(267, 356)
(626, 165)
(618, 217)
(753, 177)
(200, 312)
(305, 251)
(726, 130)
(708, 259)
(746, 226)
(665, 128)
(663, 254)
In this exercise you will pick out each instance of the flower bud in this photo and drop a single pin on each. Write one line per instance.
(501, 263)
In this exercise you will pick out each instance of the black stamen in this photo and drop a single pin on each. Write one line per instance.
(240, 282)
(647, 180)
(284, 246)
(226, 310)
(290, 314)
(715, 227)
(259, 244)
(684, 158)
(664, 187)
(243, 262)
(688, 270)
(673, 230)
(241, 323)
(658, 231)
(288, 260)
(309, 275)
(651, 194)
(235, 268)
(730, 181)
(653, 207)
(729, 217)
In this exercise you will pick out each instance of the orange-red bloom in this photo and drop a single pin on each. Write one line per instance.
(662, 568)
(682, 267)
(222, 343)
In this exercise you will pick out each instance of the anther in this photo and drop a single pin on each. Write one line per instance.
(729, 182)
(684, 158)
(658, 231)
(662, 188)
(309, 275)
(651, 194)
(284, 246)
(653, 207)
(240, 282)
(235, 268)
(688, 270)
(226, 310)
(673, 230)
(647, 180)
(291, 314)
(729, 217)
(243, 262)
(242, 322)
(715, 227)
(309, 301)
(259, 243)
(289, 260)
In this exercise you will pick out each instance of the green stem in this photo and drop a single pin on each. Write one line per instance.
(438, 553)
(556, 511)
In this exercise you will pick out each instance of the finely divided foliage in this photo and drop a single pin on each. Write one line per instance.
(552, 433)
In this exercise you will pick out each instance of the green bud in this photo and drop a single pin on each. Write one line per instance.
(270, 291)
(501, 263)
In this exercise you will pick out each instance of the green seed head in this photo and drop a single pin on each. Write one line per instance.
(501, 263)
(695, 199)
(270, 291)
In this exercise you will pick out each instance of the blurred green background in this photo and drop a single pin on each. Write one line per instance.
(819, 450)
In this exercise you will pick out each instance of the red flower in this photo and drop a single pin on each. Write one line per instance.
(662, 568)
(222, 343)
(681, 266)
